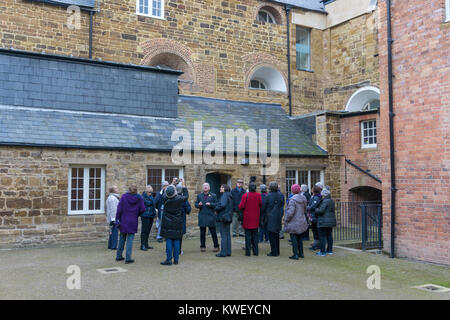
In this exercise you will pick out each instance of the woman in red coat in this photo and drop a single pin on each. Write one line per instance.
(251, 206)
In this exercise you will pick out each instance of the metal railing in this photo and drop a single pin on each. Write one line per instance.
(359, 222)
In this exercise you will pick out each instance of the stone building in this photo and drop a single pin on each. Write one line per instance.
(59, 129)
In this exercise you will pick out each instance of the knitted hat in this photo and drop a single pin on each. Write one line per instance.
(295, 189)
(171, 192)
(320, 185)
(325, 192)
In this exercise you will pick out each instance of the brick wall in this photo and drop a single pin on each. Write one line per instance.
(367, 159)
(34, 190)
(421, 126)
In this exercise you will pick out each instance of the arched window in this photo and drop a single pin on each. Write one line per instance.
(176, 62)
(364, 99)
(265, 16)
(267, 78)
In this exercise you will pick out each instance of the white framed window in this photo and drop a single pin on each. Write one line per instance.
(447, 10)
(86, 190)
(303, 48)
(258, 84)
(156, 175)
(150, 8)
(369, 134)
(303, 176)
(265, 16)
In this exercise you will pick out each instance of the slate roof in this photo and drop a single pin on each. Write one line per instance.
(314, 5)
(76, 129)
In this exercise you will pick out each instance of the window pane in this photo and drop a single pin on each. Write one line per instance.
(171, 173)
(315, 176)
(290, 180)
(303, 48)
(154, 178)
(303, 177)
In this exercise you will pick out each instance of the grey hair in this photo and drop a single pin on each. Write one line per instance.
(304, 187)
(273, 186)
(263, 188)
(179, 188)
(320, 185)
(325, 192)
(164, 183)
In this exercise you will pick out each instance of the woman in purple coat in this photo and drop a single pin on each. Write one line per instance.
(130, 207)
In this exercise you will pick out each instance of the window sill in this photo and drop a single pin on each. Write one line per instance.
(306, 70)
(85, 213)
(368, 149)
(149, 16)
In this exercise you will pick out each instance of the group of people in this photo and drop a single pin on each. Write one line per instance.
(254, 215)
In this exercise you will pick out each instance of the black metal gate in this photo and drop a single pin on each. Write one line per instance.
(360, 224)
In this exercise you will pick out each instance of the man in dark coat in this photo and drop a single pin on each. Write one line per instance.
(237, 194)
(313, 204)
(206, 202)
(272, 212)
(326, 220)
(172, 222)
(130, 207)
(186, 210)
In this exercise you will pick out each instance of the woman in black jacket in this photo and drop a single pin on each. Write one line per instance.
(224, 210)
(172, 222)
(326, 220)
(272, 213)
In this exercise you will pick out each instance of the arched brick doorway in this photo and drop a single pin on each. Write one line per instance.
(365, 193)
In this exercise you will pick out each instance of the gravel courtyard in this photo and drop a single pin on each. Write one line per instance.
(40, 273)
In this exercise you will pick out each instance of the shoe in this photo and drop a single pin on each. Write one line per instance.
(160, 240)
(120, 259)
(255, 255)
(166, 263)
(235, 235)
(129, 261)
(330, 253)
(313, 248)
(270, 254)
(247, 255)
(220, 255)
(202, 249)
(228, 255)
(144, 248)
(241, 235)
(175, 262)
(301, 256)
(216, 250)
(294, 257)
(149, 247)
(290, 240)
(321, 254)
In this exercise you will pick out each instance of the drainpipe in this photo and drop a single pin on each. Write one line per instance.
(288, 8)
(391, 127)
(91, 15)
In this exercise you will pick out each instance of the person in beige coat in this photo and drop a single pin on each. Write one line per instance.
(295, 221)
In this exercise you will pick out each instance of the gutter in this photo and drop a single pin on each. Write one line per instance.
(391, 127)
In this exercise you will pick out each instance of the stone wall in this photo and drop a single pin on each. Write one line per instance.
(34, 190)
(216, 42)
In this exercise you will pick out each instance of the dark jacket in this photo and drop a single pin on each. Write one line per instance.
(312, 206)
(207, 214)
(159, 202)
(172, 219)
(149, 203)
(237, 196)
(272, 211)
(325, 213)
(130, 207)
(224, 208)
(186, 210)
(307, 196)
